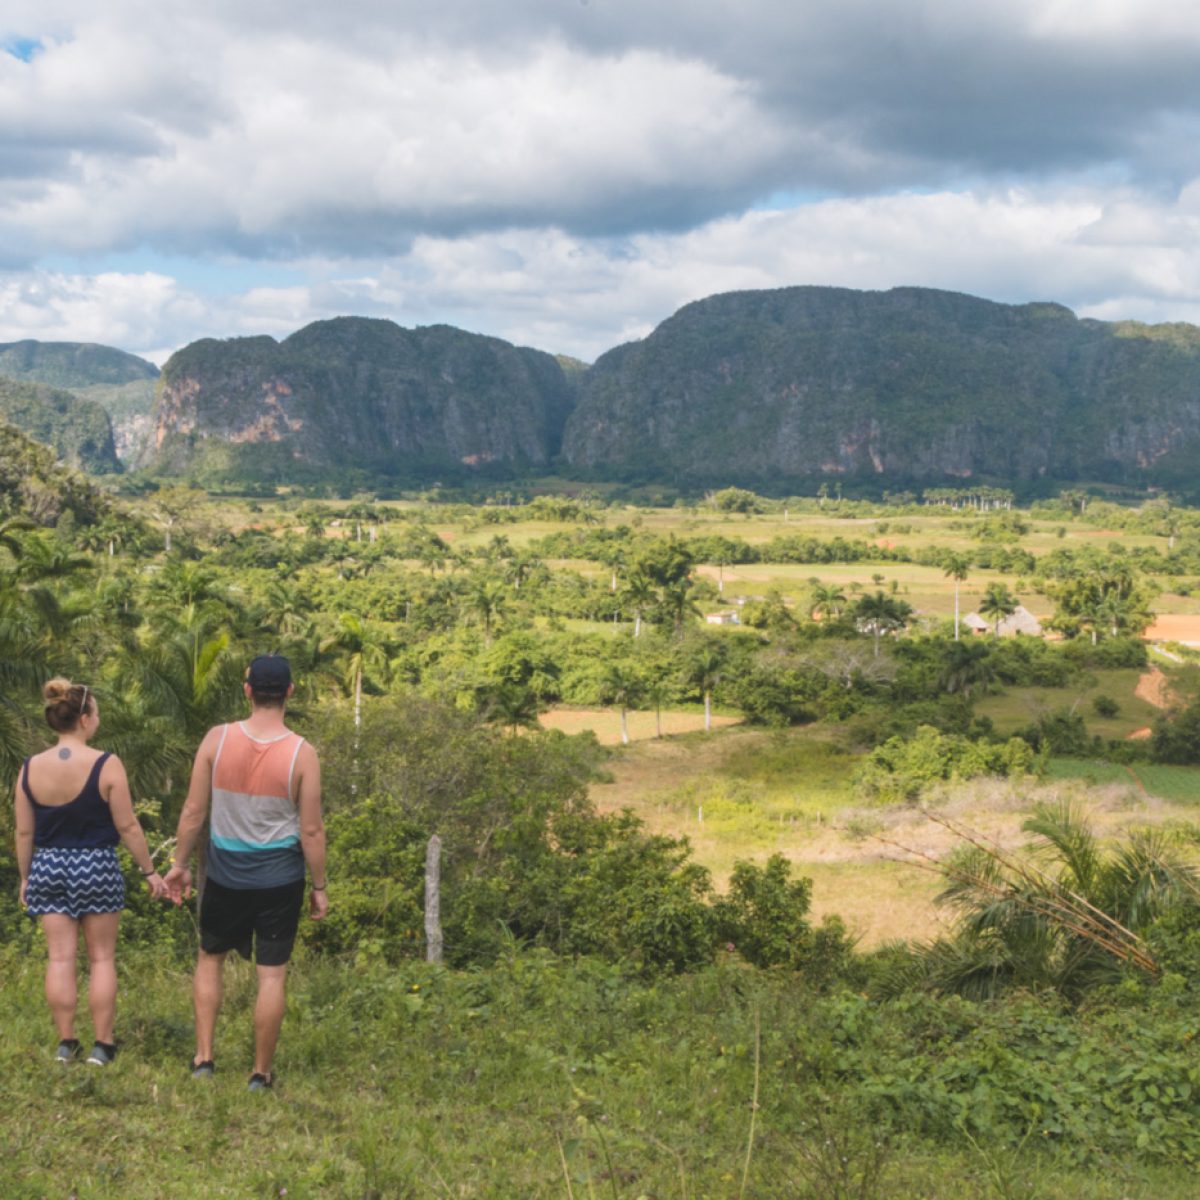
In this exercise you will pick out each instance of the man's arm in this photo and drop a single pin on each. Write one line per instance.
(312, 827)
(24, 838)
(191, 819)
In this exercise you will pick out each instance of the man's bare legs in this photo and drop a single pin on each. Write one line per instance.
(62, 942)
(100, 934)
(206, 997)
(268, 1015)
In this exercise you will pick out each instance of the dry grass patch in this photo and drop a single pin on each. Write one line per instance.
(606, 724)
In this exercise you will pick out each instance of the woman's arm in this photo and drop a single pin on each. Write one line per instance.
(114, 786)
(24, 837)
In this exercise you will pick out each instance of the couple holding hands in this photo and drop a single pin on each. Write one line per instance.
(259, 785)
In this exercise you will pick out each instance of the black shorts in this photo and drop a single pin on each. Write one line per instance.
(237, 918)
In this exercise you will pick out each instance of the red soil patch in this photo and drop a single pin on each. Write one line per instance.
(1173, 627)
(1152, 687)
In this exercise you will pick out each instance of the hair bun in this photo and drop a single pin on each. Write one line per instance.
(57, 689)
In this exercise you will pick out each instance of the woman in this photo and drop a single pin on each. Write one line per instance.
(73, 806)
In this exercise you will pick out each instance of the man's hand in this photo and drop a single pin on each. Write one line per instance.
(178, 882)
(318, 904)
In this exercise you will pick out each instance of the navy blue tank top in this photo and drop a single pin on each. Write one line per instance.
(83, 824)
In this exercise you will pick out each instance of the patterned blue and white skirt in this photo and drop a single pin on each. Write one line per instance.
(74, 882)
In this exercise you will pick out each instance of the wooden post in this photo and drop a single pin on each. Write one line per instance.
(433, 900)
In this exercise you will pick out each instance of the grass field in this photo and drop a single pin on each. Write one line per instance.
(529, 1080)
(746, 794)
(605, 723)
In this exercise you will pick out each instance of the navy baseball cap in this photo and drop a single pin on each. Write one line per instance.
(269, 675)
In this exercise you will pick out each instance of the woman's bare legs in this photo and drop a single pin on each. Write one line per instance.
(62, 943)
(100, 934)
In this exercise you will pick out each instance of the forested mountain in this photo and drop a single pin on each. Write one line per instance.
(360, 394)
(910, 383)
(79, 431)
(760, 388)
(122, 384)
(34, 484)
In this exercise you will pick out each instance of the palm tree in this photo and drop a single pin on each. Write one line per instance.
(879, 614)
(488, 600)
(828, 599)
(967, 666)
(997, 603)
(956, 566)
(638, 594)
(620, 685)
(703, 670)
(360, 649)
(1067, 917)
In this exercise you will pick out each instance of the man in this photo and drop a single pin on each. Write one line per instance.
(264, 785)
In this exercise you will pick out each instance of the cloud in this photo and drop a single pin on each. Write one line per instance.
(280, 130)
(1112, 255)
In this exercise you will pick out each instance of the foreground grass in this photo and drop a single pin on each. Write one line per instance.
(530, 1079)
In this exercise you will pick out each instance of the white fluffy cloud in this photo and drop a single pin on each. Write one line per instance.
(565, 173)
(1106, 256)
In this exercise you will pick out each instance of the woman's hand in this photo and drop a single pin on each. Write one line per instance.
(157, 885)
(24, 889)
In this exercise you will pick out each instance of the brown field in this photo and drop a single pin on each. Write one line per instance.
(1174, 627)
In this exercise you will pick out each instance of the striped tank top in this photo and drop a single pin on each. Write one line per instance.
(254, 829)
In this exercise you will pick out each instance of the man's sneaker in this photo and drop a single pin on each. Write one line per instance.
(204, 1070)
(260, 1082)
(68, 1049)
(102, 1054)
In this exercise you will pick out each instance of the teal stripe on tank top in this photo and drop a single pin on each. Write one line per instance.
(238, 846)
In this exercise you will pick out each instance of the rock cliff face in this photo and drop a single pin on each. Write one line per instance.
(359, 394)
(122, 384)
(909, 383)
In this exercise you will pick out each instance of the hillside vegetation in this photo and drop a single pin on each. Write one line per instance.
(921, 916)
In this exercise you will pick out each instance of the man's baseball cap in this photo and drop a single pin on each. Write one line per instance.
(269, 675)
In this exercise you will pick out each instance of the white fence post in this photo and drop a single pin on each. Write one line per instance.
(433, 900)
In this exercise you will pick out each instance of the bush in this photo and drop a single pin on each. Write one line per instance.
(765, 918)
(1176, 736)
(902, 768)
(1105, 706)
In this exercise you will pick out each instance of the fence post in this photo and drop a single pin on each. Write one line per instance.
(433, 900)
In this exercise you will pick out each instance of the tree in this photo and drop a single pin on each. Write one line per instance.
(997, 603)
(967, 666)
(956, 566)
(828, 599)
(361, 649)
(878, 614)
(488, 600)
(638, 595)
(175, 508)
(703, 668)
(621, 686)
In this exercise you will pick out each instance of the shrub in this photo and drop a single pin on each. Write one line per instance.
(902, 768)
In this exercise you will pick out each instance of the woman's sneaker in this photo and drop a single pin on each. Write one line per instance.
(260, 1082)
(68, 1050)
(102, 1054)
(204, 1070)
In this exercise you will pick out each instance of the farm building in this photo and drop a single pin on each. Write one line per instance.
(1020, 621)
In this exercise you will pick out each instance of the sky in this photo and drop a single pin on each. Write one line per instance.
(566, 174)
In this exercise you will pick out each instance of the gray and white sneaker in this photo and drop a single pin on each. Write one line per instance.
(102, 1054)
(68, 1050)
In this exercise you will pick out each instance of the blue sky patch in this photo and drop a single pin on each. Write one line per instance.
(23, 48)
